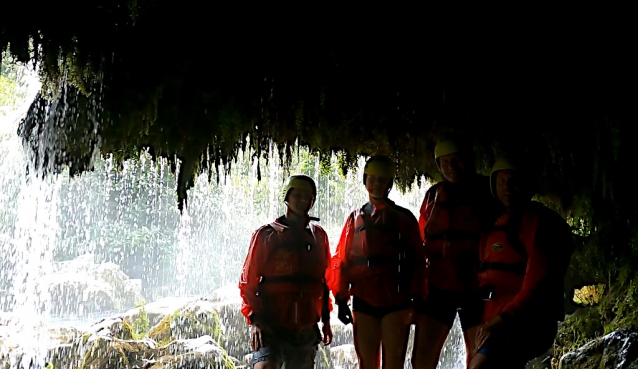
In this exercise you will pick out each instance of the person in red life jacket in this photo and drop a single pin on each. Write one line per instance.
(524, 258)
(283, 283)
(451, 218)
(379, 261)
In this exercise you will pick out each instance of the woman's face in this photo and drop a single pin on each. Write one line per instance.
(377, 186)
(299, 200)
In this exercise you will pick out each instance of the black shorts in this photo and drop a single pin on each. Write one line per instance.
(296, 349)
(443, 305)
(360, 306)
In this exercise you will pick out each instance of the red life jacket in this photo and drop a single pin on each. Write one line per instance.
(452, 235)
(375, 268)
(504, 266)
(292, 282)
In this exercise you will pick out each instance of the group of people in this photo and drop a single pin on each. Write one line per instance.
(481, 249)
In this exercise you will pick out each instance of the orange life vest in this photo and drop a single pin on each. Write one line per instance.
(292, 282)
(504, 265)
(452, 235)
(375, 268)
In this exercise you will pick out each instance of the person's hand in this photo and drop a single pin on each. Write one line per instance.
(485, 331)
(327, 334)
(345, 315)
(256, 338)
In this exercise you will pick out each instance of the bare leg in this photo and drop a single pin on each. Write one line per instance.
(394, 339)
(470, 342)
(477, 361)
(367, 340)
(429, 338)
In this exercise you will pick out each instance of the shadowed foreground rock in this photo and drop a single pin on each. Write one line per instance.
(617, 350)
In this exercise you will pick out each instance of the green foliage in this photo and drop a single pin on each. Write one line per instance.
(126, 217)
(140, 325)
(589, 295)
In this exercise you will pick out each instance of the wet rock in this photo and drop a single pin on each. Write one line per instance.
(158, 310)
(111, 328)
(323, 359)
(79, 286)
(198, 318)
(618, 349)
(100, 349)
(228, 293)
(342, 334)
(101, 352)
(344, 357)
(236, 338)
(63, 335)
(79, 264)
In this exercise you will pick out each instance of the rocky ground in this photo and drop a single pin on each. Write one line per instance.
(196, 332)
(168, 333)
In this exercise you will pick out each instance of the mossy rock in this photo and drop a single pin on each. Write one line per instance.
(101, 352)
(203, 350)
(212, 359)
(111, 327)
(194, 320)
(618, 349)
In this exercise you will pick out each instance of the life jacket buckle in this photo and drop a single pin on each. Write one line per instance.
(487, 293)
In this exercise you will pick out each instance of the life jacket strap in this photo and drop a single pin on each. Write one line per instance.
(373, 260)
(453, 235)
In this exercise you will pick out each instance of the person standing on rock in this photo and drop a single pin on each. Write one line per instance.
(283, 283)
(379, 261)
(451, 218)
(524, 258)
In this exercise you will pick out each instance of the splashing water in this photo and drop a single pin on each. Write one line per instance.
(76, 250)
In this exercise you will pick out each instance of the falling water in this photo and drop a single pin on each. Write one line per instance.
(77, 250)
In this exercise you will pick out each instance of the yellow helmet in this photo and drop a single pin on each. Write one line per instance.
(302, 182)
(446, 147)
(381, 166)
(501, 164)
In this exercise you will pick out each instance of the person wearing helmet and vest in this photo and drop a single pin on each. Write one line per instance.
(379, 262)
(524, 258)
(452, 215)
(283, 283)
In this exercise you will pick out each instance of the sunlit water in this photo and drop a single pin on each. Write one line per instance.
(129, 220)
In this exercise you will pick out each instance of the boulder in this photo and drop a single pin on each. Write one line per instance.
(100, 348)
(228, 293)
(62, 335)
(197, 318)
(102, 352)
(79, 287)
(157, 310)
(618, 349)
(236, 338)
(201, 352)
